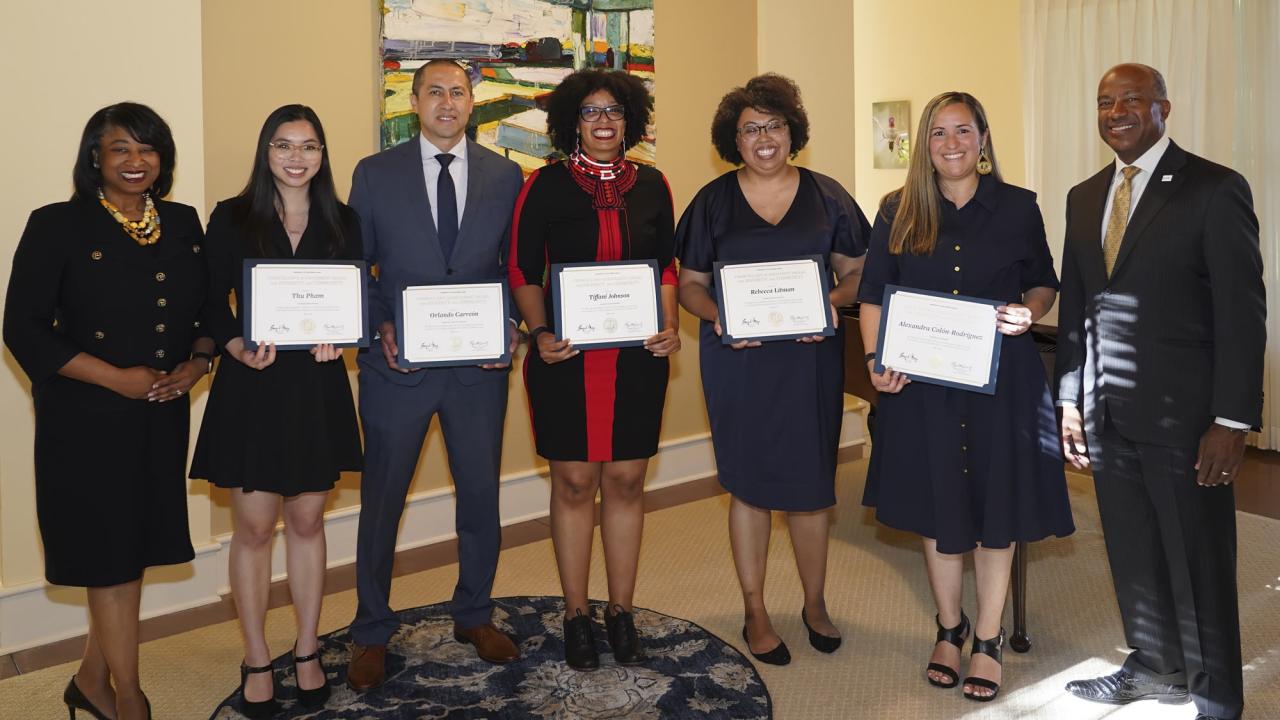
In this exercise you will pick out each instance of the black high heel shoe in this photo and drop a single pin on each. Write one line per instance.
(579, 643)
(315, 697)
(780, 655)
(956, 636)
(623, 639)
(991, 648)
(820, 642)
(75, 700)
(258, 709)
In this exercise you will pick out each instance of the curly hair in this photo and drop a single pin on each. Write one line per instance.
(563, 103)
(769, 93)
(144, 125)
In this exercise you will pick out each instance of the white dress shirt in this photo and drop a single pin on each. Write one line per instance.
(1146, 164)
(457, 170)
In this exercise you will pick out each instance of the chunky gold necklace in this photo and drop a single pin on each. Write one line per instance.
(145, 231)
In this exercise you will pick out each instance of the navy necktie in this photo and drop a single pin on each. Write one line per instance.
(446, 207)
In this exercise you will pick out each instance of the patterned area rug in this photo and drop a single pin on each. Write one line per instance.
(690, 673)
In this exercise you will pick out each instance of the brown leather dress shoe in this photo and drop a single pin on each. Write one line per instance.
(491, 644)
(368, 667)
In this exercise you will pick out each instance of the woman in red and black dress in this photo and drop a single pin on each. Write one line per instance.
(596, 413)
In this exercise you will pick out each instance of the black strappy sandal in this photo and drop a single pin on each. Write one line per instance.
(991, 648)
(956, 636)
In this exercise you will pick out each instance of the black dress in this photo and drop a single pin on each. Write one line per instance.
(958, 466)
(604, 404)
(775, 410)
(111, 498)
(289, 428)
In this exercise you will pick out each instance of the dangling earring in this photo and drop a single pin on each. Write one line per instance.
(984, 163)
(577, 142)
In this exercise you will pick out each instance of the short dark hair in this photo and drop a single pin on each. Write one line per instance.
(564, 101)
(141, 122)
(769, 93)
(417, 74)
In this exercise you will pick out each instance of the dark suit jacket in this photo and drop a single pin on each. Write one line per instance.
(389, 192)
(1176, 335)
(79, 284)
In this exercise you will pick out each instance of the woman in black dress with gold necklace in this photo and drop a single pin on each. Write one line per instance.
(280, 426)
(596, 413)
(103, 314)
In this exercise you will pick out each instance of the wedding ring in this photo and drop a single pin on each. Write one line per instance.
(1225, 472)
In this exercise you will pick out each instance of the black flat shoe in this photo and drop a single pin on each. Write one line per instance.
(76, 700)
(315, 697)
(991, 648)
(257, 709)
(780, 655)
(956, 636)
(579, 643)
(820, 642)
(1123, 687)
(621, 629)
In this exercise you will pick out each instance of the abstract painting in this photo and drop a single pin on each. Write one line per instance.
(891, 133)
(516, 52)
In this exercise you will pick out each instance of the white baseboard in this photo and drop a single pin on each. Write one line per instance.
(36, 613)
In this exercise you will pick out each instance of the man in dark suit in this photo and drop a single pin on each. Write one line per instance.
(1163, 328)
(434, 209)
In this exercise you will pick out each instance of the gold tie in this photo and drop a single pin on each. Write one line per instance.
(1119, 218)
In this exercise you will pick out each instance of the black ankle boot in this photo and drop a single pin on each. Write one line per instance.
(579, 644)
(621, 628)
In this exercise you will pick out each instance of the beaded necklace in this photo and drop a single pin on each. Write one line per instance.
(145, 231)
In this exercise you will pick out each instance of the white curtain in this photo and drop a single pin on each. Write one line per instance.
(1219, 58)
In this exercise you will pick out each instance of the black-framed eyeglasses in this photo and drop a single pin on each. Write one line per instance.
(284, 149)
(751, 131)
(591, 113)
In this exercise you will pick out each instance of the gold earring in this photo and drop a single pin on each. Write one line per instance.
(984, 163)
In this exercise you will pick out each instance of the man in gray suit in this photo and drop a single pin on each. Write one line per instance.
(434, 209)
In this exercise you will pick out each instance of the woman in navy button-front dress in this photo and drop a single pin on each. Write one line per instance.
(964, 470)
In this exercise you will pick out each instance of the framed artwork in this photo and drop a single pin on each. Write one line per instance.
(891, 133)
(516, 52)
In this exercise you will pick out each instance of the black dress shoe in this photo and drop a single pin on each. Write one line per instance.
(256, 709)
(820, 642)
(780, 655)
(316, 697)
(1122, 687)
(621, 628)
(579, 643)
(76, 700)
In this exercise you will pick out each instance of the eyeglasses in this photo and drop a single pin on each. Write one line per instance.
(751, 131)
(284, 149)
(591, 113)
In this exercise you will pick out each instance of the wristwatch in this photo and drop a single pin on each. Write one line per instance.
(868, 357)
(534, 333)
(208, 357)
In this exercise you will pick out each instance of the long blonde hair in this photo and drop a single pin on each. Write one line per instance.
(919, 201)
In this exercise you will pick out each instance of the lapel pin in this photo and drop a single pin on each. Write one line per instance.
(1166, 178)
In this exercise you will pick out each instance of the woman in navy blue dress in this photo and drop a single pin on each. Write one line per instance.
(775, 408)
(964, 470)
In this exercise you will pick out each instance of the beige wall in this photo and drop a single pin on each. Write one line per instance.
(59, 69)
(242, 86)
(809, 42)
(916, 49)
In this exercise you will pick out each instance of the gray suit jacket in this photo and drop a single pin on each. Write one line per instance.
(390, 194)
(1176, 335)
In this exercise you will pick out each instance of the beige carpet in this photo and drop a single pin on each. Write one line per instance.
(877, 594)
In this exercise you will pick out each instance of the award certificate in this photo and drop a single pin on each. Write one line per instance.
(449, 325)
(301, 303)
(938, 338)
(606, 304)
(777, 300)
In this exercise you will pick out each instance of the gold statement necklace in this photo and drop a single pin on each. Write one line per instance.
(145, 231)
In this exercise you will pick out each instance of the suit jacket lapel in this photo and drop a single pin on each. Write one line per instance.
(1093, 202)
(1154, 197)
(475, 180)
(416, 198)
